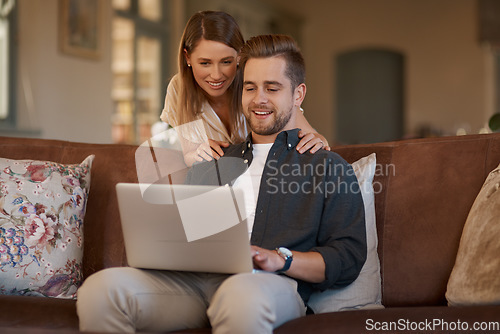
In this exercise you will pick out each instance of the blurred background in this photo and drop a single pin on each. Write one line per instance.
(377, 70)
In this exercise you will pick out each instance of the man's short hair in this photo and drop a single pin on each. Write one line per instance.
(265, 46)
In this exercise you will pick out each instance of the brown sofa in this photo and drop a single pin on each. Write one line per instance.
(424, 191)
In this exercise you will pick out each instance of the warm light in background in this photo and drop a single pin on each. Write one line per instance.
(136, 67)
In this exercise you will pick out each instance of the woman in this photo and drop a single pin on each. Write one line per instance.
(205, 96)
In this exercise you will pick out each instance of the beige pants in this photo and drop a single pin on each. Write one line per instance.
(129, 300)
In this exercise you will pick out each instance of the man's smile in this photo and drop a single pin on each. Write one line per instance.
(263, 112)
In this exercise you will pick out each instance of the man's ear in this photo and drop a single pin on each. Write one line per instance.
(299, 94)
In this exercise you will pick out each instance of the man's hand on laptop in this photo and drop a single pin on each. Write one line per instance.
(267, 260)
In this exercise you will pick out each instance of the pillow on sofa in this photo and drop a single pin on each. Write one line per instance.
(42, 206)
(475, 277)
(365, 291)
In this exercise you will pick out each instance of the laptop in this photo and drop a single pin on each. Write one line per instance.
(184, 227)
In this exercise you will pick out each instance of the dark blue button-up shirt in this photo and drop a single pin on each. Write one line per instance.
(307, 202)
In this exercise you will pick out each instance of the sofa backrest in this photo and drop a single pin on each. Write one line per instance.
(424, 189)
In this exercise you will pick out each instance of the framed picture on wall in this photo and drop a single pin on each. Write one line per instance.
(80, 28)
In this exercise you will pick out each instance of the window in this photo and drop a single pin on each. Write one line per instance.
(139, 34)
(7, 57)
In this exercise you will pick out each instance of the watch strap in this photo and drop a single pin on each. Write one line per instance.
(288, 261)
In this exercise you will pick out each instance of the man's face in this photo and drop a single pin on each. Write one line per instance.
(268, 100)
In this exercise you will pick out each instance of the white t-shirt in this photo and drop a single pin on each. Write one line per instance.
(249, 182)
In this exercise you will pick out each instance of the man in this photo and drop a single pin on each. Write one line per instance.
(306, 223)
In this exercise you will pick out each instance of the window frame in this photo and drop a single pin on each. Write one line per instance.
(153, 29)
(9, 123)
(497, 80)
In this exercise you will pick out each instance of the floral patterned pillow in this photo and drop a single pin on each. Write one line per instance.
(42, 207)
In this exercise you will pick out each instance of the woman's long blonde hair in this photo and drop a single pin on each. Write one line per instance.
(212, 26)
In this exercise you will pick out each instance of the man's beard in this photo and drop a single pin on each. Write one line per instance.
(277, 125)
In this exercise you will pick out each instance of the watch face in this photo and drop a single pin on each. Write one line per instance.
(285, 251)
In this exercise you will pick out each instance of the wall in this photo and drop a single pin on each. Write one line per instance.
(449, 76)
(254, 17)
(449, 81)
(61, 96)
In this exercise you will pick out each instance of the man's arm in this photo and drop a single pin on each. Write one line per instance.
(306, 266)
(342, 234)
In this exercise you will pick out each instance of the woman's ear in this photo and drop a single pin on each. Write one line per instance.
(299, 94)
(186, 56)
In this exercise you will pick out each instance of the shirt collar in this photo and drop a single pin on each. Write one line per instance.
(288, 138)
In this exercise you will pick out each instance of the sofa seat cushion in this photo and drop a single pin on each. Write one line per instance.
(29, 311)
(402, 319)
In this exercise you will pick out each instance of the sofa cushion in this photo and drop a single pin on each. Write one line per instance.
(365, 291)
(475, 277)
(47, 315)
(42, 208)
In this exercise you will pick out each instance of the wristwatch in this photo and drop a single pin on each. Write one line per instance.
(287, 255)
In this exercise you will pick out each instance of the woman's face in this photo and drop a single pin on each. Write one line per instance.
(214, 66)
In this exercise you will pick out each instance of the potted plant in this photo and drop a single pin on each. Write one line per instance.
(494, 122)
